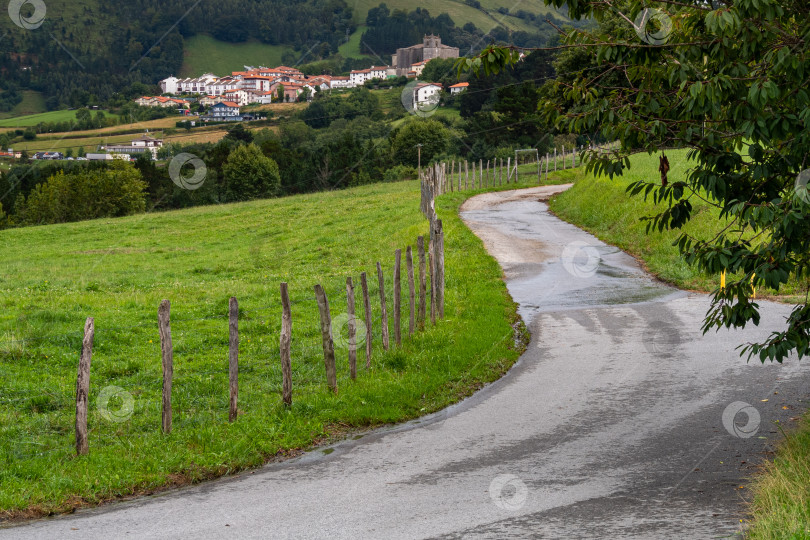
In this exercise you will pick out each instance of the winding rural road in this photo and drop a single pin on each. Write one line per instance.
(618, 421)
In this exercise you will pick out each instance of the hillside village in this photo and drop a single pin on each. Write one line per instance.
(223, 97)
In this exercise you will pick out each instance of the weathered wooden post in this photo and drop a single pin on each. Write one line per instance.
(83, 387)
(398, 297)
(367, 313)
(411, 291)
(381, 282)
(516, 170)
(488, 174)
(555, 159)
(452, 175)
(508, 169)
(165, 329)
(352, 327)
(439, 253)
(420, 247)
(284, 346)
(432, 266)
(467, 174)
(563, 157)
(233, 357)
(480, 174)
(326, 336)
(473, 176)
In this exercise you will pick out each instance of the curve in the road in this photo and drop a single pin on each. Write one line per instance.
(614, 423)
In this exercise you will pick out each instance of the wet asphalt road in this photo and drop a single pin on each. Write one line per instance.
(611, 424)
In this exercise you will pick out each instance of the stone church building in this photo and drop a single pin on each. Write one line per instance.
(430, 48)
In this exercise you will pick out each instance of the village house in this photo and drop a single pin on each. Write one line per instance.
(144, 144)
(426, 94)
(207, 101)
(419, 67)
(458, 88)
(340, 82)
(224, 111)
(220, 86)
(162, 101)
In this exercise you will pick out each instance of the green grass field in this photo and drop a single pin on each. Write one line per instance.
(53, 116)
(351, 49)
(198, 258)
(485, 19)
(32, 103)
(204, 54)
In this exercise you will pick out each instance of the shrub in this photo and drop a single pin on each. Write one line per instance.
(400, 172)
(87, 194)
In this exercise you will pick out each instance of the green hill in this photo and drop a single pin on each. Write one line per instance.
(202, 53)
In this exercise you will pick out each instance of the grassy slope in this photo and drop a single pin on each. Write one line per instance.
(53, 277)
(32, 103)
(205, 54)
(781, 493)
(34, 119)
(485, 19)
(602, 207)
(351, 49)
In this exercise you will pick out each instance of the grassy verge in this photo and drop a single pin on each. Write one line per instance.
(602, 207)
(781, 492)
(118, 271)
(780, 507)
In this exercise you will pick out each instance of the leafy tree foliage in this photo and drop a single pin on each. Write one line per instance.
(250, 175)
(431, 134)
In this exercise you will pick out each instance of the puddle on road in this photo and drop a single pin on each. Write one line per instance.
(565, 268)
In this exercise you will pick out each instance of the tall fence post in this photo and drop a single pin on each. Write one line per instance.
(165, 329)
(488, 174)
(326, 335)
(480, 174)
(516, 171)
(452, 175)
(352, 328)
(508, 169)
(284, 346)
(432, 267)
(555, 159)
(439, 253)
(367, 313)
(420, 247)
(466, 174)
(398, 297)
(233, 357)
(381, 282)
(83, 387)
(411, 291)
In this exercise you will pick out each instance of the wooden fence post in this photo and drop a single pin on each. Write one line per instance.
(452, 174)
(480, 174)
(165, 329)
(420, 247)
(439, 253)
(488, 174)
(381, 282)
(473, 176)
(563, 156)
(546, 166)
(83, 387)
(411, 291)
(466, 174)
(352, 328)
(398, 297)
(284, 346)
(233, 357)
(508, 169)
(326, 335)
(555, 159)
(367, 312)
(432, 267)
(516, 171)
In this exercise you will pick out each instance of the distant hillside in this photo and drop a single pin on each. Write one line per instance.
(85, 53)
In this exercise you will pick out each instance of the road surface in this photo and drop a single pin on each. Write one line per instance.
(618, 421)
